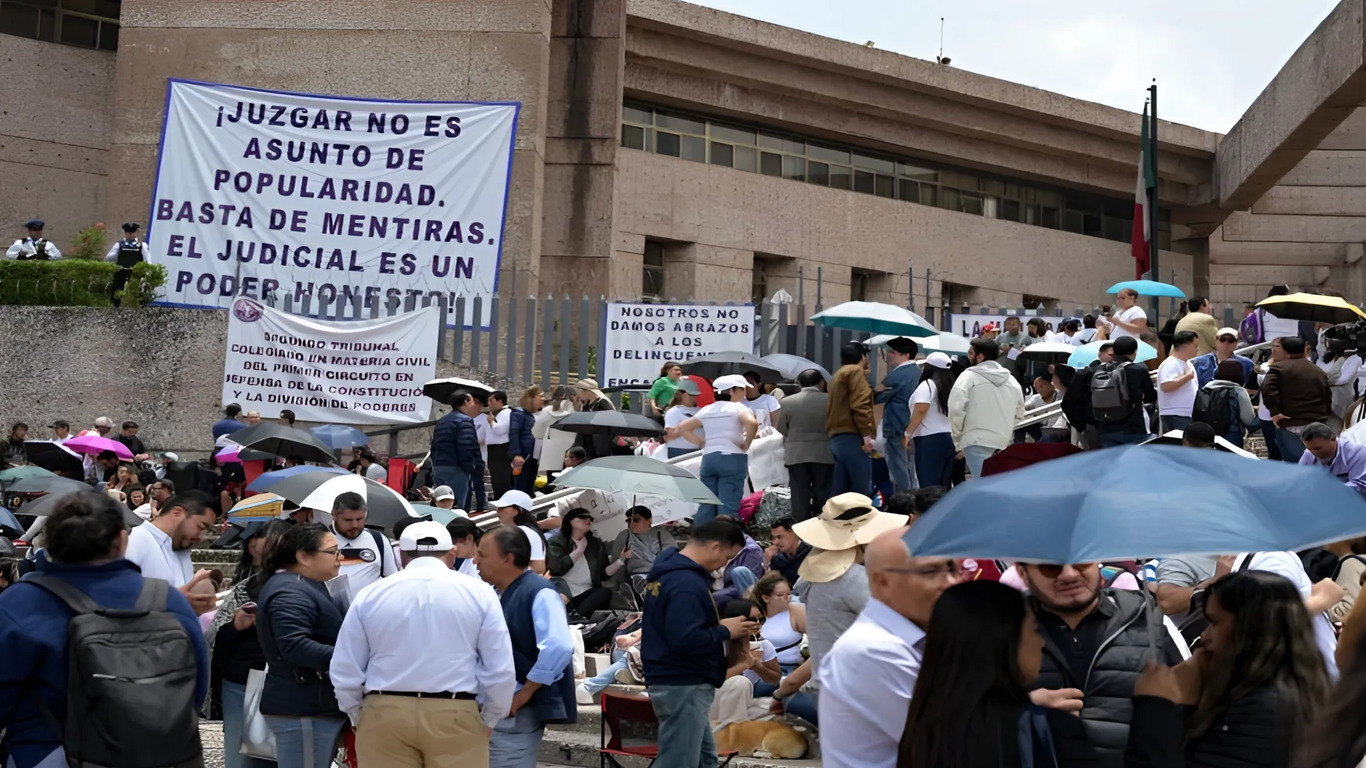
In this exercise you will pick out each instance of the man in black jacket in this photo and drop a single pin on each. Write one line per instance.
(1096, 643)
(1139, 389)
(456, 459)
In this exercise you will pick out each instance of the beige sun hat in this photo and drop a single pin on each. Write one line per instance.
(847, 522)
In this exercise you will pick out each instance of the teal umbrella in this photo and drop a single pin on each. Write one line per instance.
(875, 317)
(1149, 288)
(1086, 353)
(443, 516)
(15, 474)
(639, 475)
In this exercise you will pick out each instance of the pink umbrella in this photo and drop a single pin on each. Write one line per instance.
(94, 444)
(228, 456)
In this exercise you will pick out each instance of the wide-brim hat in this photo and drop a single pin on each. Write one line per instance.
(822, 565)
(847, 521)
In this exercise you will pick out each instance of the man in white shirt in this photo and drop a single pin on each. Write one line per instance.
(1130, 320)
(366, 554)
(1176, 384)
(414, 654)
(869, 675)
(161, 548)
(763, 405)
(496, 442)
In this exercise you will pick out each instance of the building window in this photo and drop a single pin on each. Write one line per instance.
(758, 286)
(858, 286)
(82, 23)
(757, 150)
(652, 272)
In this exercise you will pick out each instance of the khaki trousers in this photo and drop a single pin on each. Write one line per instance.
(407, 732)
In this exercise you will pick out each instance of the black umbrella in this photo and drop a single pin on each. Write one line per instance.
(726, 363)
(52, 456)
(613, 423)
(384, 507)
(46, 505)
(49, 484)
(278, 440)
(441, 390)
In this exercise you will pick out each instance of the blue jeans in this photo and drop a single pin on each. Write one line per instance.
(305, 742)
(975, 456)
(934, 459)
(608, 676)
(1175, 422)
(515, 740)
(234, 699)
(459, 481)
(1112, 439)
(685, 738)
(724, 475)
(853, 472)
(1273, 451)
(1290, 445)
(899, 466)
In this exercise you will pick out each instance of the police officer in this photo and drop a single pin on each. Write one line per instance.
(34, 247)
(127, 253)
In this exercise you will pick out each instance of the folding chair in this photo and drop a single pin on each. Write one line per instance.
(617, 709)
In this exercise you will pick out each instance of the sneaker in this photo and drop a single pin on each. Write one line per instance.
(625, 677)
(581, 694)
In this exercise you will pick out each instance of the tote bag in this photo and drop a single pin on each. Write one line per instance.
(257, 738)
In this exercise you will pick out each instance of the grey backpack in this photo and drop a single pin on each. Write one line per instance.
(1110, 394)
(131, 677)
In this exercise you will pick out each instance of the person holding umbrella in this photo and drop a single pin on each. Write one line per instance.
(1130, 320)
(683, 406)
(729, 428)
(590, 398)
(456, 459)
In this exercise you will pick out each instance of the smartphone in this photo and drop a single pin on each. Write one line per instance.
(249, 608)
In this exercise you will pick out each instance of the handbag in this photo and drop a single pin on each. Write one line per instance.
(257, 738)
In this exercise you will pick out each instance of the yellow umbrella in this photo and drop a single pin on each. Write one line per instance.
(262, 506)
(1313, 308)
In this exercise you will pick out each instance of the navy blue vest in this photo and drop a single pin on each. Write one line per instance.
(552, 703)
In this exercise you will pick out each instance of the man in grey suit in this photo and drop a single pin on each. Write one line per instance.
(806, 446)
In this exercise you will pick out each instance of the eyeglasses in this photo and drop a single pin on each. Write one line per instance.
(1052, 571)
(334, 551)
(1229, 339)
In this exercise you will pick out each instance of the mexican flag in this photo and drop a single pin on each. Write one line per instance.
(1147, 182)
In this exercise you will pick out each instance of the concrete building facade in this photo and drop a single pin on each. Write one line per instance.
(669, 151)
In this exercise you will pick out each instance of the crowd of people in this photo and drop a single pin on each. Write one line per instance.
(425, 643)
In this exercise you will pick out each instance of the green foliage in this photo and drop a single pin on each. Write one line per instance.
(89, 244)
(74, 283)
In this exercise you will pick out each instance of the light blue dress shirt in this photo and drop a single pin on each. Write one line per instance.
(552, 638)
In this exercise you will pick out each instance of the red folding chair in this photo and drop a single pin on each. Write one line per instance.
(618, 709)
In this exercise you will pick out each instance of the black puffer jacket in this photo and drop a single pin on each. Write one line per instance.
(1109, 686)
(1256, 731)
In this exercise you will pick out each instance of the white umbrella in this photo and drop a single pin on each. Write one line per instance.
(875, 317)
(1175, 436)
(944, 341)
(323, 497)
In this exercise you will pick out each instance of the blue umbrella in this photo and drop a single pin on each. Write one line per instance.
(1087, 353)
(1149, 288)
(339, 438)
(268, 479)
(9, 525)
(1138, 502)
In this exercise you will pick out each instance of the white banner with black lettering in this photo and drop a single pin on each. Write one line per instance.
(331, 371)
(272, 192)
(642, 337)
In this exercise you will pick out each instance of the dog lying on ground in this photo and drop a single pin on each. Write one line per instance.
(763, 739)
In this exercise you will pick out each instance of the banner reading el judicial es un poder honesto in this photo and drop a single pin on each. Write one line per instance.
(640, 338)
(333, 371)
(263, 192)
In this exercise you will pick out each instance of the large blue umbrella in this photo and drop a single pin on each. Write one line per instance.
(268, 479)
(1138, 502)
(1149, 288)
(340, 437)
(1088, 353)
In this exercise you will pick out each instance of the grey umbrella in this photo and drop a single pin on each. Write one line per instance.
(48, 484)
(613, 423)
(45, 505)
(639, 475)
(792, 366)
(725, 363)
(278, 440)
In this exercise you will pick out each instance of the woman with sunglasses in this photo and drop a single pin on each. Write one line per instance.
(298, 624)
(577, 559)
(1246, 696)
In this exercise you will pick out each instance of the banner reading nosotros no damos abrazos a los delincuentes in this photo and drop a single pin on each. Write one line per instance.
(330, 371)
(262, 192)
(640, 338)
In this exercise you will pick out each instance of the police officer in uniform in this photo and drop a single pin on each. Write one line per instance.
(126, 253)
(34, 247)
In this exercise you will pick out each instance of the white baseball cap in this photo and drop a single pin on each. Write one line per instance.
(939, 360)
(426, 536)
(730, 381)
(442, 492)
(1226, 332)
(514, 499)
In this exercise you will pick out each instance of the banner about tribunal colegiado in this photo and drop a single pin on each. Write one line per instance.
(640, 338)
(332, 371)
(333, 197)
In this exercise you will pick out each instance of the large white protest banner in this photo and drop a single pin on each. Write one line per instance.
(642, 337)
(334, 371)
(261, 192)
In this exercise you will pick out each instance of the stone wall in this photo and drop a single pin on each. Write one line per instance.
(159, 367)
(54, 137)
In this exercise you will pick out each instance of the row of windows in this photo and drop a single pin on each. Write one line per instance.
(84, 23)
(757, 150)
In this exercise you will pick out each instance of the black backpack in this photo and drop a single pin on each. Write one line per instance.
(1214, 407)
(1110, 402)
(129, 254)
(131, 677)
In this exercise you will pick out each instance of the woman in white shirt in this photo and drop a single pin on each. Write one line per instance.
(1341, 370)
(761, 403)
(929, 426)
(1130, 320)
(728, 428)
(684, 405)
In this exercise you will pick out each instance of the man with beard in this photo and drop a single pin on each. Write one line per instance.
(1096, 643)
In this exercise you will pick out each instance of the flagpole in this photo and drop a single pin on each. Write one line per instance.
(1151, 149)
